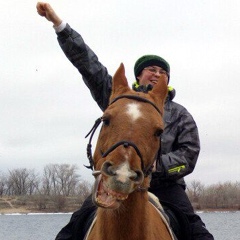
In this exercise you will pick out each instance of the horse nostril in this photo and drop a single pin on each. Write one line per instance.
(108, 169)
(137, 177)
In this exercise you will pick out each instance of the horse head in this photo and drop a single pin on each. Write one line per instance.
(128, 141)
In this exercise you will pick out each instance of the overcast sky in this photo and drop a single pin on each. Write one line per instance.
(46, 110)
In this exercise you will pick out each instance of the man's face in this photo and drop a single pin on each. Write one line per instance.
(151, 74)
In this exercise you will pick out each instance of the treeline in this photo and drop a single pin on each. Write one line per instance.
(220, 196)
(60, 188)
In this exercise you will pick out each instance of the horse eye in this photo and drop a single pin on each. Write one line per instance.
(158, 133)
(106, 121)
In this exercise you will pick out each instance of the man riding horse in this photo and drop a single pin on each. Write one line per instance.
(180, 139)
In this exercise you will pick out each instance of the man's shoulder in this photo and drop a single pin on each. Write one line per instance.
(176, 106)
(176, 110)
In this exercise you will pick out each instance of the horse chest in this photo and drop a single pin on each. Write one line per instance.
(129, 223)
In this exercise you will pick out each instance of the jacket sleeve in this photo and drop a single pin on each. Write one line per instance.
(94, 74)
(183, 147)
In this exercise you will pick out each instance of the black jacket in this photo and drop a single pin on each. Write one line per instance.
(180, 140)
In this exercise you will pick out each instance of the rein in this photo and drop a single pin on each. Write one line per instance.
(126, 144)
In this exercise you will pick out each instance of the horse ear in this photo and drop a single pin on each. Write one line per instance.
(160, 91)
(119, 81)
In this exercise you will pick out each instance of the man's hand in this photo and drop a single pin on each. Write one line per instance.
(45, 10)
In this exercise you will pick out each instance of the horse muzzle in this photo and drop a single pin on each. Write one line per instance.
(113, 184)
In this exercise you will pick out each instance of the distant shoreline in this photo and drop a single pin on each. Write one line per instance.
(25, 206)
(22, 211)
(36, 213)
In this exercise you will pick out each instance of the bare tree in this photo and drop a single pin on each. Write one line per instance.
(67, 179)
(3, 181)
(195, 189)
(21, 181)
(48, 179)
(83, 191)
(60, 179)
(222, 196)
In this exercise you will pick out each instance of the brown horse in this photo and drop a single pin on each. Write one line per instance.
(126, 149)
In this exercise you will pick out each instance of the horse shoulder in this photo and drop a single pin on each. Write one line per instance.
(159, 223)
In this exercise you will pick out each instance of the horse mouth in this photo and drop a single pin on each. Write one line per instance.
(105, 197)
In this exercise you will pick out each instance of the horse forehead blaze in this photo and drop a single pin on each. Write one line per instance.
(133, 111)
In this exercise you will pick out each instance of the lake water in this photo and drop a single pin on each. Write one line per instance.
(223, 225)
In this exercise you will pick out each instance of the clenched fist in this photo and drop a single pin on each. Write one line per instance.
(45, 10)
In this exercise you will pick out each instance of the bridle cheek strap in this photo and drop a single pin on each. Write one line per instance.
(89, 146)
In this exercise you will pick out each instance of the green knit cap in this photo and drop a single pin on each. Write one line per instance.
(150, 60)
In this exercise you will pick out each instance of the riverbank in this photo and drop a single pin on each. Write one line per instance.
(22, 205)
(23, 212)
(27, 205)
(26, 211)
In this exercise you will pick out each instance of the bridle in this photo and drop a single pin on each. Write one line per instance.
(146, 170)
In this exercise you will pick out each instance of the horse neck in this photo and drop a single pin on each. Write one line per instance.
(128, 220)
